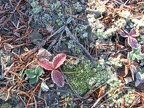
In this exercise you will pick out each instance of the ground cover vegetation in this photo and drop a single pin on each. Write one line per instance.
(71, 53)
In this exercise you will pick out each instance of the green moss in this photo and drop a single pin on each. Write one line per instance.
(82, 76)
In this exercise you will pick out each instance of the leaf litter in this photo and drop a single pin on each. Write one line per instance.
(55, 34)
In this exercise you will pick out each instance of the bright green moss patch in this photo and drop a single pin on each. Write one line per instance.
(82, 76)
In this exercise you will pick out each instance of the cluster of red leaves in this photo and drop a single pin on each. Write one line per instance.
(57, 61)
(131, 37)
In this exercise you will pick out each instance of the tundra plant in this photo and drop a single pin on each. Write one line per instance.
(52, 66)
(34, 75)
(131, 37)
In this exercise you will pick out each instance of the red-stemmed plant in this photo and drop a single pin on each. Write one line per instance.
(131, 37)
(57, 61)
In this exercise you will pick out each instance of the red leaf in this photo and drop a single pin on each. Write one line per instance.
(57, 78)
(132, 33)
(123, 33)
(46, 64)
(59, 60)
(132, 42)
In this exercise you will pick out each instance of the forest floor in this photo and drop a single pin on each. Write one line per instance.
(71, 53)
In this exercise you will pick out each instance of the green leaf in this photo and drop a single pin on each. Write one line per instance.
(33, 80)
(38, 71)
(30, 73)
(136, 54)
(132, 56)
(140, 56)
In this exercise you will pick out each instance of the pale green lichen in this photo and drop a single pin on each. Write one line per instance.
(78, 7)
(125, 14)
(114, 61)
(56, 5)
(118, 96)
(120, 23)
(73, 47)
(141, 39)
(6, 57)
(138, 22)
(36, 8)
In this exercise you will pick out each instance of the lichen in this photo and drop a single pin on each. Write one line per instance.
(36, 8)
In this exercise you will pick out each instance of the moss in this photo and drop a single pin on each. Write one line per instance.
(82, 76)
(10, 103)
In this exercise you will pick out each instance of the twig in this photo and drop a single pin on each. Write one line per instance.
(34, 50)
(22, 100)
(122, 4)
(11, 14)
(55, 40)
(35, 102)
(56, 32)
(43, 100)
(59, 40)
(32, 94)
(8, 93)
(80, 45)
(44, 42)
(8, 69)
(96, 104)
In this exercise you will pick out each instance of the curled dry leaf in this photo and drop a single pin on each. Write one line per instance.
(1, 42)
(43, 53)
(102, 91)
(58, 60)
(126, 70)
(46, 64)
(128, 80)
(133, 71)
(57, 78)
